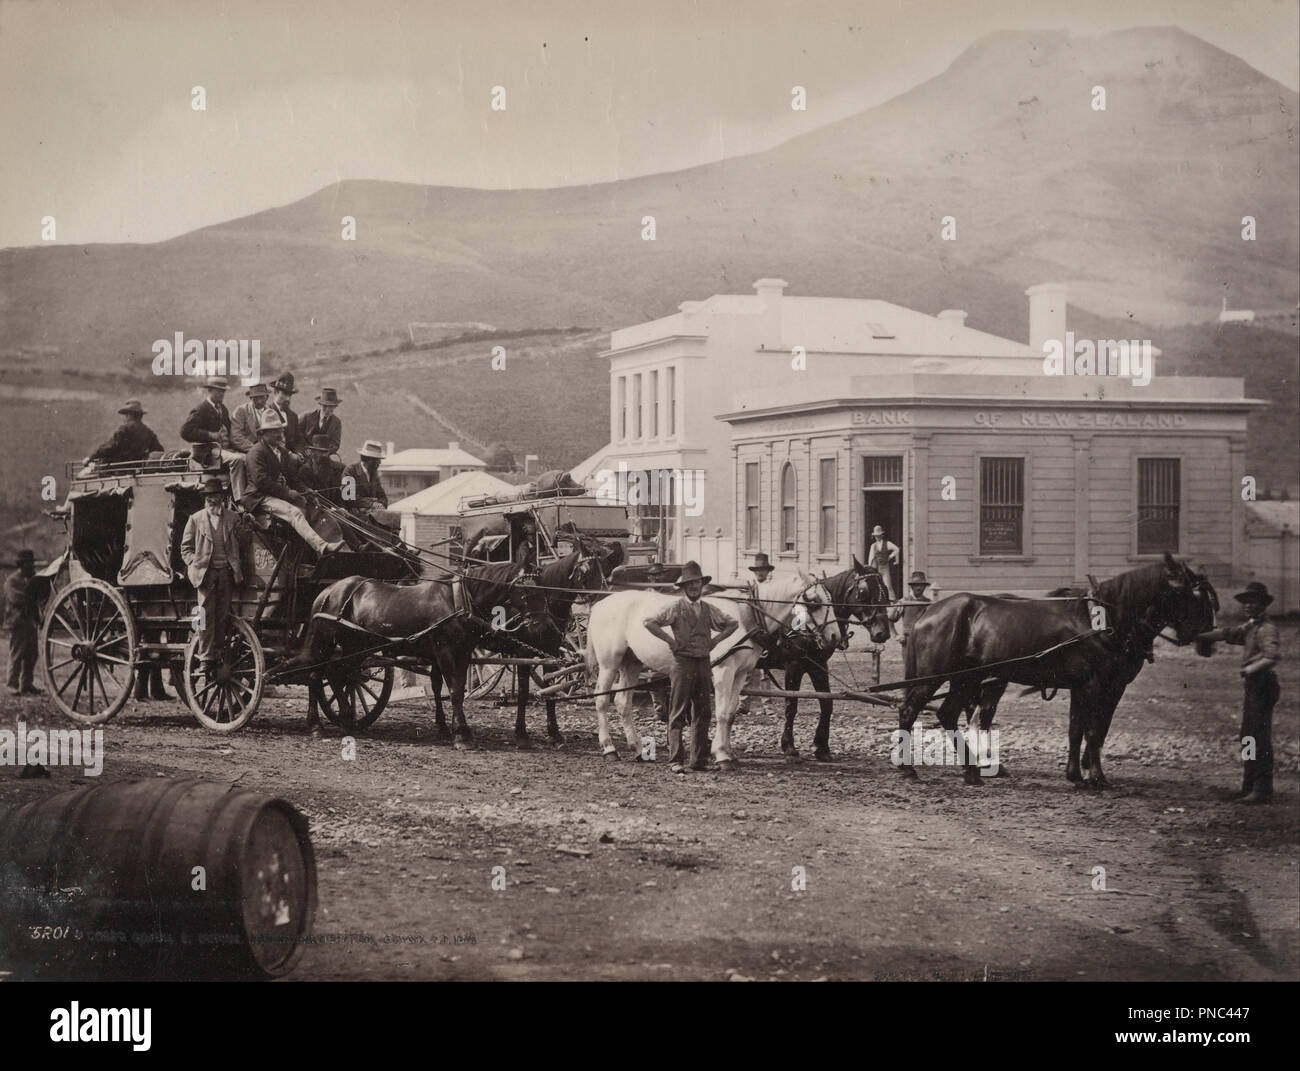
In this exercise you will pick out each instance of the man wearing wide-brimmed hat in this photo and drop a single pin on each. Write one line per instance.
(210, 549)
(369, 491)
(1259, 639)
(697, 626)
(22, 620)
(282, 392)
(908, 609)
(134, 440)
(273, 489)
(882, 555)
(762, 567)
(244, 420)
(322, 420)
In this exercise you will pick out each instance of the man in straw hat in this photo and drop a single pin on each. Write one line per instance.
(369, 490)
(244, 420)
(1259, 640)
(270, 491)
(22, 621)
(134, 440)
(882, 555)
(210, 549)
(322, 420)
(694, 624)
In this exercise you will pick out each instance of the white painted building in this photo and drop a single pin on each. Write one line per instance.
(405, 472)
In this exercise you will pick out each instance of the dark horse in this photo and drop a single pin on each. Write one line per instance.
(963, 638)
(857, 594)
(548, 600)
(431, 624)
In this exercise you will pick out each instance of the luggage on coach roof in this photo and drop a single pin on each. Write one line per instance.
(102, 883)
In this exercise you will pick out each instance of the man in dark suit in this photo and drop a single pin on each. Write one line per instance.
(321, 472)
(22, 620)
(209, 421)
(134, 440)
(270, 490)
(322, 421)
(282, 392)
(210, 549)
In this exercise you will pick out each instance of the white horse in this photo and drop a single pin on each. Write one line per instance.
(618, 647)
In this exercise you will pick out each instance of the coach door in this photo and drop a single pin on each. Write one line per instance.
(882, 501)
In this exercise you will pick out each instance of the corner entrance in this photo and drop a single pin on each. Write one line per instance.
(882, 502)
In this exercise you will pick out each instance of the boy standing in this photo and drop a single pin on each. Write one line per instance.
(1258, 637)
(693, 623)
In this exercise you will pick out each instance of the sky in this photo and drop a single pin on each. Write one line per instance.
(97, 127)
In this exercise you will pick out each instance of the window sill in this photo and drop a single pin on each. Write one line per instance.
(828, 557)
(790, 555)
(976, 559)
(1158, 556)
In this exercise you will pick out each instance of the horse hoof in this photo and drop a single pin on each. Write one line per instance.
(908, 772)
(728, 766)
(557, 740)
(972, 777)
(793, 756)
(463, 743)
(610, 756)
(1073, 775)
(823, 754)
(524, 743)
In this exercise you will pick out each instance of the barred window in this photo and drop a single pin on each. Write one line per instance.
(751, 505)
(636, 406)
(1159, 487)
(826, 524)
(789, 499)
(622, 407)
(672, 399)
(654, 405)
(1002, 505)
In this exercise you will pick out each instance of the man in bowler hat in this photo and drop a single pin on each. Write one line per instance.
(1259, 640)
(694, 624)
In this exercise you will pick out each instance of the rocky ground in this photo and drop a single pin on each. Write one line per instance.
(622, 870)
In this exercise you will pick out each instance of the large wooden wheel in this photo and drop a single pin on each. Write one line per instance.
(89, 642)
(353, 696)
(572, 651)
(225, 698)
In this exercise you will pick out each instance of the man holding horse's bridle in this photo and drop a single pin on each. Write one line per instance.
(1259, 640)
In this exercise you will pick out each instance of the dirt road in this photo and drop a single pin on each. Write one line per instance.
(621, 870)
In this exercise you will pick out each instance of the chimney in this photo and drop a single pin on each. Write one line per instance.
(769, 293)
(453, 446)
(1046, 314)
(530, 463)
(956, 317)
(390, 449)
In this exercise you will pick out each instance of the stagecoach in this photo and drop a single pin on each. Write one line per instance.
(121, 600)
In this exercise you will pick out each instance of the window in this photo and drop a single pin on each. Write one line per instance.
(672, 399)
(751, 505)
(1159, 488)
(826, 495)
(1002, 505)
(636, 406)
(654, 405)
(789, 496)
(883, 471)
(622, 407)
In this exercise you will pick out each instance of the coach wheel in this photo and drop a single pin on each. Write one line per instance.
(89, 642)
(481, 680)
(352, 697)
(572, 651)
(224, 697)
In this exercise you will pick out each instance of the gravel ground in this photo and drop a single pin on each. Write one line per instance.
(621, 870)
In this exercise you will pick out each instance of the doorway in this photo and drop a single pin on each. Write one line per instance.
(884, 507)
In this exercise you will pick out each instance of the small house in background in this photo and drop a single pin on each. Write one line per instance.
(1235, 316)
(1273, 551)
(406, 472)
(427, 515)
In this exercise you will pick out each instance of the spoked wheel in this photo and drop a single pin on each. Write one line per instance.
(352, 696)
(572, 652)
(89, 642)
(482, 680)
(225, 697)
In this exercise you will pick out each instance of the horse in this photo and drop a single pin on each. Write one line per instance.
(548, 608)
(618, 647)
(980, 643)
(424, 618)
(857, 593)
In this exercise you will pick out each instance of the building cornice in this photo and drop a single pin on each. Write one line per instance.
(966, 401)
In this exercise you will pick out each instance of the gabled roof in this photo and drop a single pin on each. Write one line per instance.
(421, 459)
(442, 499)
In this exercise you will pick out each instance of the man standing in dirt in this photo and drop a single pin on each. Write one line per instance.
(22, 621)
(1258, 636)
(694, 623)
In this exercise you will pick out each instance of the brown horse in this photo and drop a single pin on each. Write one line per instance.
(426, 620)
(857, 594)
(976, 641)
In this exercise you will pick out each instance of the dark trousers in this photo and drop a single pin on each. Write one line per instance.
(1257, 722)
(215, 595)
(22, 653)
(692, 700)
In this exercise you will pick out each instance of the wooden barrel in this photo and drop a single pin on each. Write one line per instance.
(104, 882)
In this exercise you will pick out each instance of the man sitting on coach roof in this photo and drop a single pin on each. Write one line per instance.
(134, 440)
(244, 420)
(209, 421)
(269, 492)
